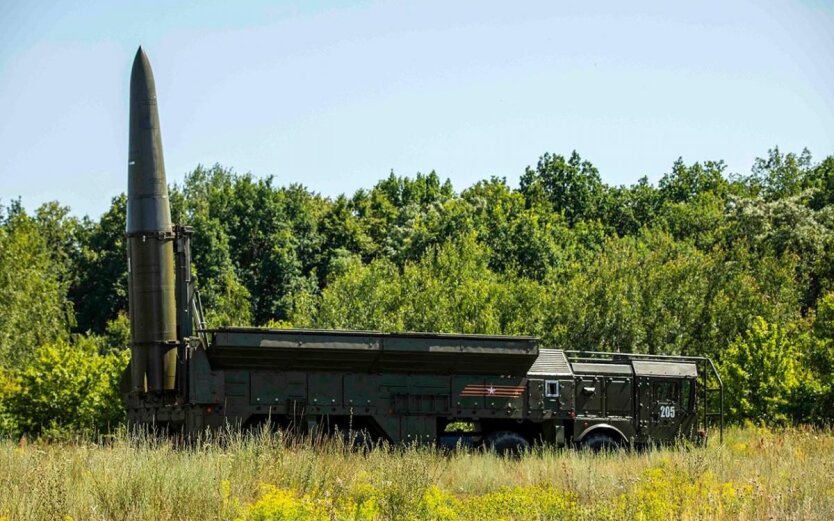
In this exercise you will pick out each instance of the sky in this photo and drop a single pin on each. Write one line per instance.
(335, 95)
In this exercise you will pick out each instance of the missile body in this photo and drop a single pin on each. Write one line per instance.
(150, 242)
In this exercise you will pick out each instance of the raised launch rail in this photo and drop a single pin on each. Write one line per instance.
(370, 351)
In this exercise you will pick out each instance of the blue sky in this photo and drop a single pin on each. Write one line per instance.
(335, 95)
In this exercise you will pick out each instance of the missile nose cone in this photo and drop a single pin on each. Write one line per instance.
(142, 87)
(147, 193)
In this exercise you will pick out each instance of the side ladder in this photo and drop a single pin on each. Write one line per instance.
(710, 373)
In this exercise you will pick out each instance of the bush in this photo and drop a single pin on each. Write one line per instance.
(66, 387)
(8, 388)
(765, 374)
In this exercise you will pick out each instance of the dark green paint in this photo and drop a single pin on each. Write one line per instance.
(150, 242)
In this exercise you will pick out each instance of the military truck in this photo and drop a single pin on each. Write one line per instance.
(503, 392)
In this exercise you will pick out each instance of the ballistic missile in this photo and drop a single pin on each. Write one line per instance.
(150, 241)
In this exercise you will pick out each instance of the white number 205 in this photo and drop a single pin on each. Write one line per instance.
(667, 411)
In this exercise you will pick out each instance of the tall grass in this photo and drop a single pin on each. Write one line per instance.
(755, 474)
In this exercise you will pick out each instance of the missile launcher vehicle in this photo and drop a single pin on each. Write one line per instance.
(503, 392)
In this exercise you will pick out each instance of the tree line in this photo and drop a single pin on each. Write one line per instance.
(736, 267)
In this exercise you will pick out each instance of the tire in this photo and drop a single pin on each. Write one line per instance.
(359, 440)
(506, 443)
(601, 442)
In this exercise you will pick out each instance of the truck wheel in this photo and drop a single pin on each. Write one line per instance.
(600, 441)
(357, 440)
(506, 443)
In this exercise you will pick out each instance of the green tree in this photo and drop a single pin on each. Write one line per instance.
(33, 305)
(528, 239)
(781, 175)
(822, 178)
(450, 289)
(254, 242)
(786, 227)
(99, 288)
(693, 202)
(763, 373)
(572, 186)
(358, 296)
(633, 208)
(818, 405)
(642, 294)
(391, 213)
(69, 387)
(685, 183)
(654, 294)
(343, 235)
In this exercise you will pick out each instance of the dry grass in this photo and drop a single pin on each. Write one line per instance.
(756, 474)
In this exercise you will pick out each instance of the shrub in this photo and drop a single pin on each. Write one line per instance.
(8, 388)
(765, 377)
(67, 387)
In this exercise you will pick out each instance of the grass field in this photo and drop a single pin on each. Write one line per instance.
(756, 474)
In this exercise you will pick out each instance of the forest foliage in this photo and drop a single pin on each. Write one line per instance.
(736, 267)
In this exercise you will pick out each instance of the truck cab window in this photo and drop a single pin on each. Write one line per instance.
(666, 391)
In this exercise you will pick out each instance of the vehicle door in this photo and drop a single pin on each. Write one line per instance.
(688, 410)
